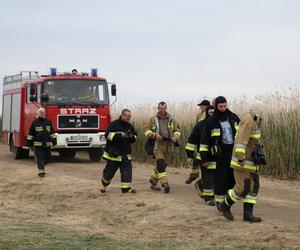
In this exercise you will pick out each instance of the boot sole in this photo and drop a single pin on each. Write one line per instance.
(129, 192)
(155, 188)
(167, 189)
(228, 218)
(253, 221)
(212, 204)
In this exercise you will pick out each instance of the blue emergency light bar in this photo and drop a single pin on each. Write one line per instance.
(94, 72)
(53, 71)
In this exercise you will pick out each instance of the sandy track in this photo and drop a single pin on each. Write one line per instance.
(68, 196)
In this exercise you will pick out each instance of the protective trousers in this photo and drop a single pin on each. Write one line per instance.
(246, 187)
(42, 156)
(125, 169)
(223, 178)
(161, 155)
(195, 170)
(205, 185)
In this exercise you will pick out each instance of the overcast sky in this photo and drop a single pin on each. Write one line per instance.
(159, 49)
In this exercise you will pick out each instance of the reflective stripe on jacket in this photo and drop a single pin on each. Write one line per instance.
(41, 133)
(246, 140)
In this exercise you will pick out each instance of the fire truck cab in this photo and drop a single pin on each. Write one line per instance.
(77, 104)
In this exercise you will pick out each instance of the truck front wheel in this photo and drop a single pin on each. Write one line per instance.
(95, 154)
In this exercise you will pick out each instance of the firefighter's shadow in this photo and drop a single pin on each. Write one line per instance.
(79, 158)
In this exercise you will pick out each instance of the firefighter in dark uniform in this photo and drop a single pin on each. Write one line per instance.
(41, 137)
(218, 138)
(119, 135)
(248, 155)
(204, 185)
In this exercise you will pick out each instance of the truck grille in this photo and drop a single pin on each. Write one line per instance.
(78, 122)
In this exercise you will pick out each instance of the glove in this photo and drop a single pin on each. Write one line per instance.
(241, 156)
(215, 150)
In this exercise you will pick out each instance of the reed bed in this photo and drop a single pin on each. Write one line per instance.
(281, 128)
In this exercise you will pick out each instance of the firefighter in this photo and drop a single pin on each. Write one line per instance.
(201, 115)
(119, 135)
(41, 137)
(204, 185)
(164, 130)
(217, 142)
(192, 146)
(247, 156)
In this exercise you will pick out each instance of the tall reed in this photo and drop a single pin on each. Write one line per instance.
(281, 129)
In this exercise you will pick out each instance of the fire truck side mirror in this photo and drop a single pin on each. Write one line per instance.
(113, 90)
(33, 91)
(44, 97)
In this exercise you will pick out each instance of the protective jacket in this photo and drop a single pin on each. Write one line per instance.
(166, 127)
(212, 133)
(246, 141)
(193, 143)
(41, 133)
(117, 145)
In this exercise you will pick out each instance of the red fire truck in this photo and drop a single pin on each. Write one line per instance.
(77, 104)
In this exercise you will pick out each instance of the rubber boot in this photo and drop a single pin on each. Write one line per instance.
(154, 185)
(209, 201)
(199, 188)
(248, 213)
(225, 209)
(41, 173)
(166, 188)
(192, 177)
(103, 185)
(218, 207)
(128, 190)
(102, 188)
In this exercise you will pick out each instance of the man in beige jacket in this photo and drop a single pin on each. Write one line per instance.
(163, 128)
(247, 156)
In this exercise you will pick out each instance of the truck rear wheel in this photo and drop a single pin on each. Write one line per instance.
(95, 154)
(18, 152)
(67, 153)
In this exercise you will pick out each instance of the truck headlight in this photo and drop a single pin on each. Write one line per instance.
(102, 137)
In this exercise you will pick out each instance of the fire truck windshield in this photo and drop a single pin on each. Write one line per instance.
(76, 92)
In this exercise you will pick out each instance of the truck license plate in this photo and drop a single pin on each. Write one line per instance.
(79, 138)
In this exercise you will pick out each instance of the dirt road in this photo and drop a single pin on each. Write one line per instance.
(68, 197)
